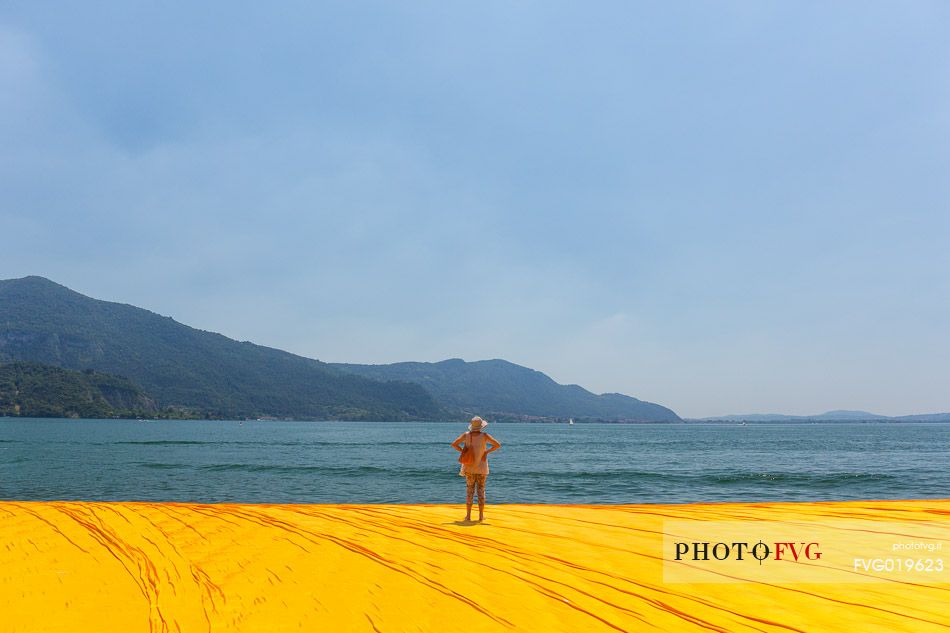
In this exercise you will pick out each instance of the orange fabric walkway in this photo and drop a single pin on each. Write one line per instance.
(78, 566)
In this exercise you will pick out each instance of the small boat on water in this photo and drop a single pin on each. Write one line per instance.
(571, 421)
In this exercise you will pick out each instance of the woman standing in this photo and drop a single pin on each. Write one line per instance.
(480, 444)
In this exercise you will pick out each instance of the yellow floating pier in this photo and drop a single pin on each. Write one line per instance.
(82, 566)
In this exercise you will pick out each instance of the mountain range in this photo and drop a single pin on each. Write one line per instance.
(189, 372)
(501, 388)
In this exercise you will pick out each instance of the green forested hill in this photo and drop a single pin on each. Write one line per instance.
(44, 322)
(497, 387)
(41, 391)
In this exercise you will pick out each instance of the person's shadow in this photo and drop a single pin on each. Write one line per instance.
(467, 523)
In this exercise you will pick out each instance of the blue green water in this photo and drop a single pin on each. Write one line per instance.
(347, 462)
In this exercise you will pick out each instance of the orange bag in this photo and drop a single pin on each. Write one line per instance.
(465, 457)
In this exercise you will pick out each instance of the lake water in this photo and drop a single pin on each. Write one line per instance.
(365, 462)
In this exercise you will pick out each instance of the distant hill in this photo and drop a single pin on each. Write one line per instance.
(844, 414)
(41, 391)
(501, 388)
(924, 417)
(44, 322)
(839, 415)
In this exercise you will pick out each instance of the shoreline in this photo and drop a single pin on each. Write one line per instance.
(393, 567)
(503, 421)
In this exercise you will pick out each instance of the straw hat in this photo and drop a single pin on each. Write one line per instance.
(477, 424)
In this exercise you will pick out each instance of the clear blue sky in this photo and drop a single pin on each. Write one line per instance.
(720, 207)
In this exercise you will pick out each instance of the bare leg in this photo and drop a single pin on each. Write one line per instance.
(481, 509)
(468, 511)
